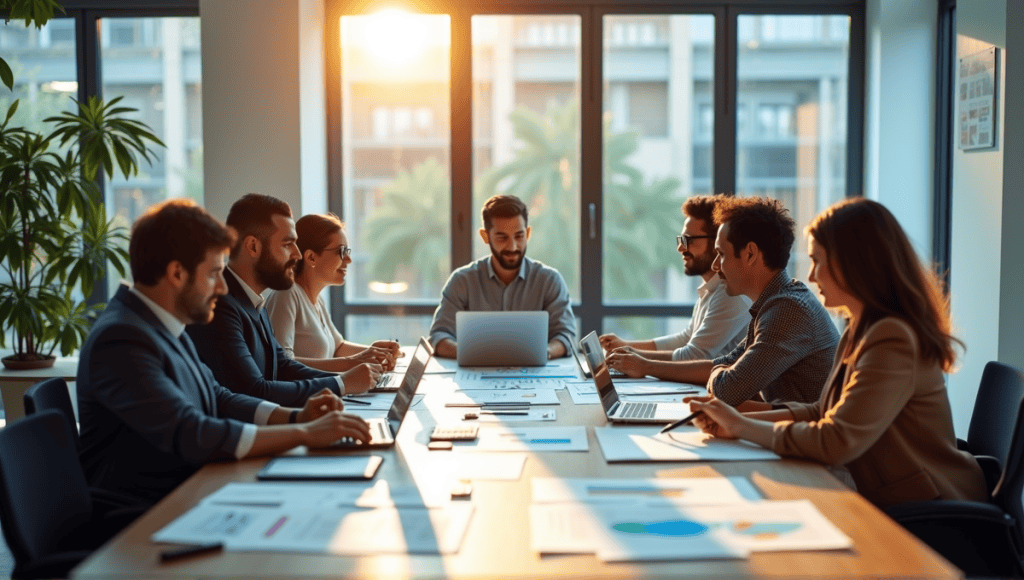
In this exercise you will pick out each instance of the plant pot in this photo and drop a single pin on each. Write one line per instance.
(15, 364)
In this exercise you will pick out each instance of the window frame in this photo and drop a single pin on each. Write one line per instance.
(590, 309)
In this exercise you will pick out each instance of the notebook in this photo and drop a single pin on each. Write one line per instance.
(383, 430)
(500, 339)
(619, 411)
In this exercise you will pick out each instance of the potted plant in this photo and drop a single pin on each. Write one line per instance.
(55, 238)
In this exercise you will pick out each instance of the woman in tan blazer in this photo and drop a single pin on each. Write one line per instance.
(884, 413)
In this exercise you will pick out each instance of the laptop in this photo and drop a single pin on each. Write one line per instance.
(383, 430)
(619, 411)
(502, 339)
(585, 365)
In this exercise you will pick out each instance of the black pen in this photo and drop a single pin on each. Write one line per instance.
(356, 401)
(680, 422)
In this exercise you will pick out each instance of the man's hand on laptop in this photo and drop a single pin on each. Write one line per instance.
(361, 378)
(319, 405)
(333, 426)
(376, 356)
(626, 360)
(610, 342)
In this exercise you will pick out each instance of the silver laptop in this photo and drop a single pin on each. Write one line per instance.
(383, 430)
(619, 411)
(500, 339)
(585, 366)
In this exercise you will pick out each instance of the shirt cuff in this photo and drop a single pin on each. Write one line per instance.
(263, 412)
(245, 441)
(341, 383)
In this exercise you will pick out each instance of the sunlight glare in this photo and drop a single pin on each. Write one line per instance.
(394, 36)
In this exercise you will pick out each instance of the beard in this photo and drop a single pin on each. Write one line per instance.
(699, 264)
(509, 260)
(198, 309)
(274, 275)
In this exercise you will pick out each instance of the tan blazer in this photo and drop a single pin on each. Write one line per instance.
(887, 419)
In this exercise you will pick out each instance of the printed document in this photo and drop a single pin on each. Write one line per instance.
(682, 444)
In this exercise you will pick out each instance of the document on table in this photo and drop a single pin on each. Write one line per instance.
(375, 401)
(683, 444)
(491, 466)
(624, 532)
(343, 531)
(585, 393)
(529, 439)
(323, 495)
(532, 414)
(507, 384)
(688, 491)
(505, 397)
(549, 371)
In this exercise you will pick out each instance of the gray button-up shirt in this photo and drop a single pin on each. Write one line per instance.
(475, 286)
(788, 352)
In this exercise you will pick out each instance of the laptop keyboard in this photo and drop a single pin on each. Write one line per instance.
(388, 382)
(638, 410)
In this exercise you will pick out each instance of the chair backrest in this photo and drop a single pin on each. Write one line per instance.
(996, 411)
(43, 493)
(52, 394)
(1009, 494)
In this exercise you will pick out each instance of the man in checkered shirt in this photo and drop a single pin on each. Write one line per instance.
(791, 341)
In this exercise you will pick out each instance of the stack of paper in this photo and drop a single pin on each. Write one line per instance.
(682, 444)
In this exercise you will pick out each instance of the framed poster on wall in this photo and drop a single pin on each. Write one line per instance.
(977, 100)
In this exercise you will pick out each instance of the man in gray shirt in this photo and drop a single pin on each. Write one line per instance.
(505, 280)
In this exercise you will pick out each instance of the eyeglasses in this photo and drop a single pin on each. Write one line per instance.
(342, 251)
(685, 240)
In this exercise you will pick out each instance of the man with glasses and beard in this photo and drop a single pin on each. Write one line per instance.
(719, 321)
(505, 280)
(239, 344)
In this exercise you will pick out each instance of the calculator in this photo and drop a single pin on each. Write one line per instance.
(455, 433)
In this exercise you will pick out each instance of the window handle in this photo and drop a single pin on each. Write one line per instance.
(593, 220)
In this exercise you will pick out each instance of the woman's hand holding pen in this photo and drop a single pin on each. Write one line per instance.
(716, 418)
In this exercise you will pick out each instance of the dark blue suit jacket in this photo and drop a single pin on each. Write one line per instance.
(240, 348)
(148, 421)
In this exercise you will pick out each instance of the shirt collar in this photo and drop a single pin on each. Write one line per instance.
(170, 321)
(774, 286)
(708, 287)
(522, 267)
(256, 298)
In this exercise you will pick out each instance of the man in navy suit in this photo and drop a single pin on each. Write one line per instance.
(151, 412)
(239, 345)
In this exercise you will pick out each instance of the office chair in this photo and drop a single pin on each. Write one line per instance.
(993, 418)
(45, 509)
(982, 539)
(53, 394)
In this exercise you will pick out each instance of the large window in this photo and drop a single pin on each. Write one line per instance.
(603, 119)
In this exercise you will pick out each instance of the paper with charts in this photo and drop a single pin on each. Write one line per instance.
(556, 371)
(504, 397)
(633, 532)
(681, 490)
(528, 439)
(343, 531)
(682, 444)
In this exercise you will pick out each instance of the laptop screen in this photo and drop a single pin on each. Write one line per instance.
(602, 379)
(403, 398)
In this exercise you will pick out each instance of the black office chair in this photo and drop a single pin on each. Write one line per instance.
(45, 509)
(53, 394)
(982, 539)
(992, 421)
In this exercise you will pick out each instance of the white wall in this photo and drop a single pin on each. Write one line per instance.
(987, 241)
(263, 102)
(899, 134)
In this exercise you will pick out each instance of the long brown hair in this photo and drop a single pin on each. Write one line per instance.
(872, 259)
(314, 232)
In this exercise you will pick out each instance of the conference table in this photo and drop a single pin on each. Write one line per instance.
(498, 543)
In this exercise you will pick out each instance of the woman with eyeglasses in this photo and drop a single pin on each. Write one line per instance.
(300, 317)
(884, 414)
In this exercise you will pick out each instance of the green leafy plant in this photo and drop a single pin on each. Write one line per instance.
(37, 12)
(55, 239)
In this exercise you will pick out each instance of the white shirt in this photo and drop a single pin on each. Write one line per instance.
(176, 328)
(303, 328)
(719, 323)
(259, 301)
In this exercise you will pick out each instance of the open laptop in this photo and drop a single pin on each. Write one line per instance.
(502, 339)
(585, 365)
(619, 411)
(383, 430)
